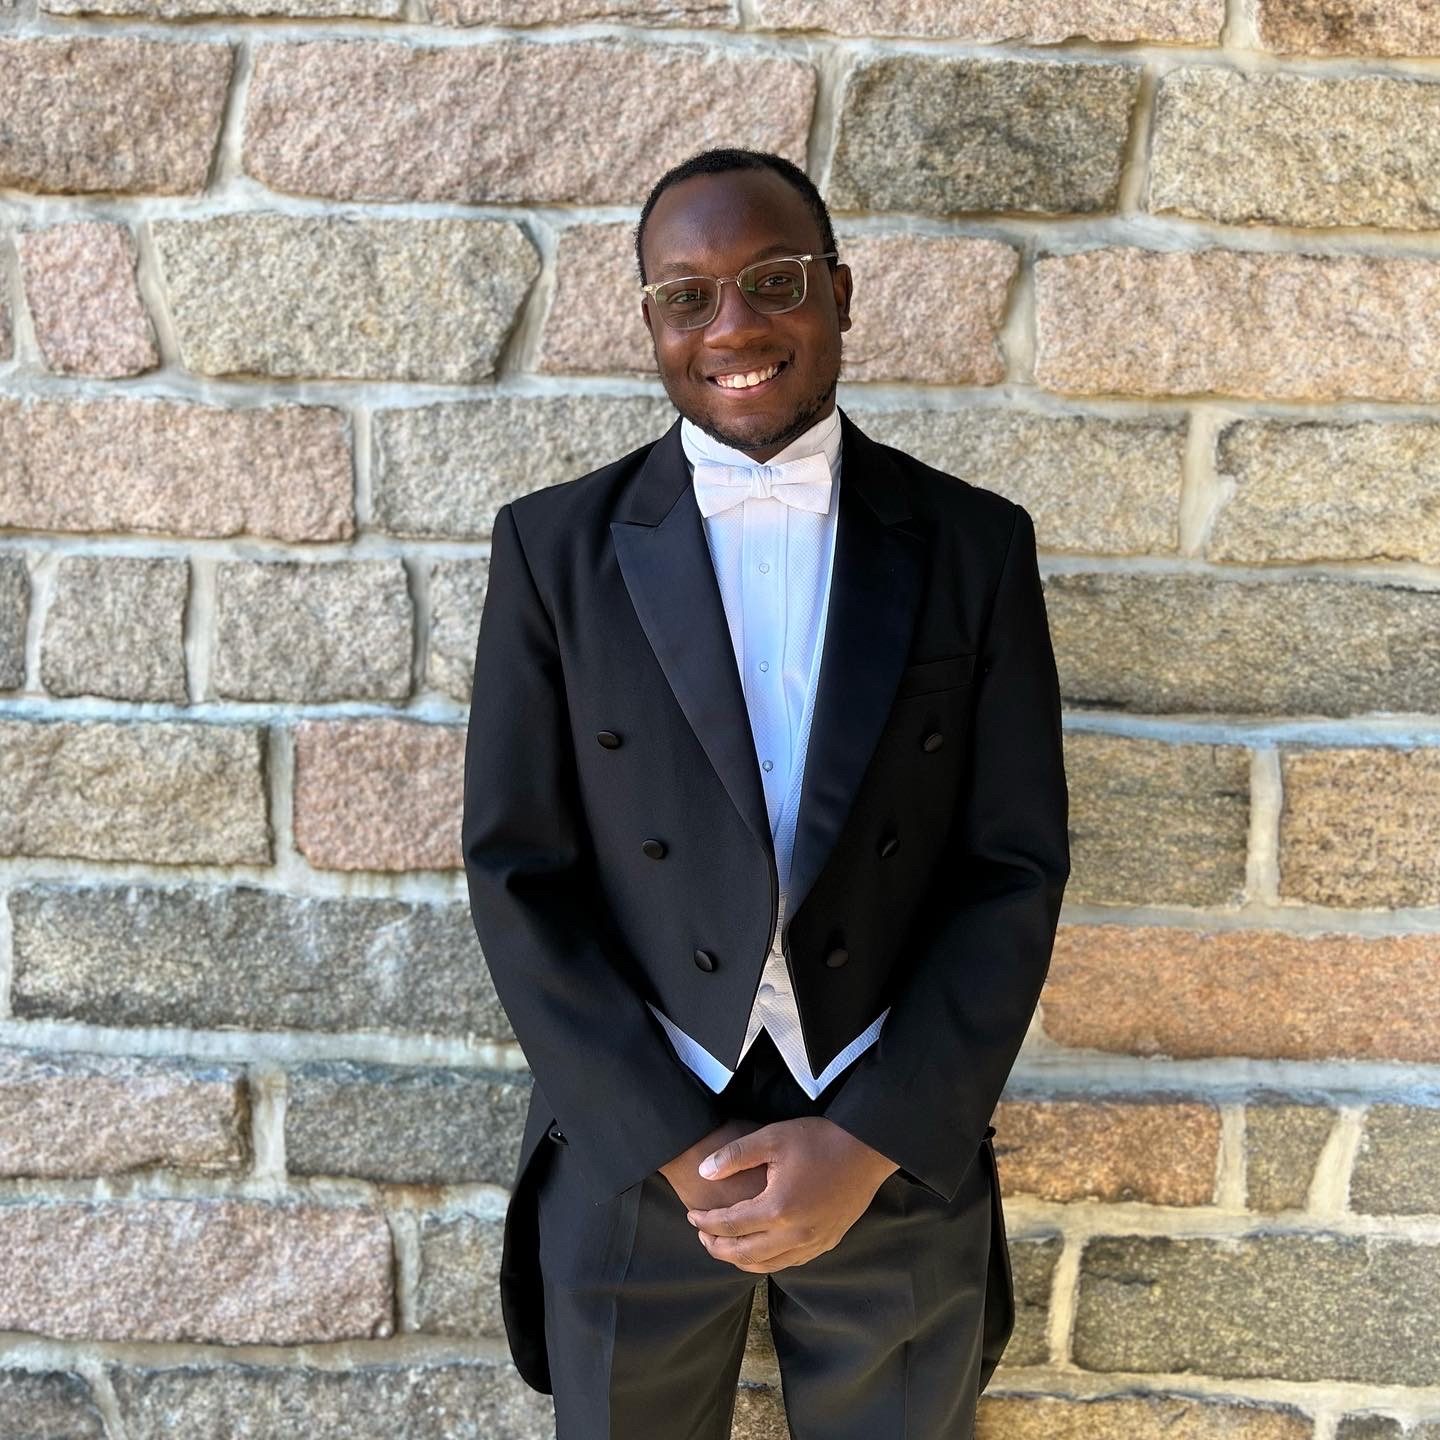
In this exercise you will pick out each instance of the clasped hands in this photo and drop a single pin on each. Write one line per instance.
(779, 1194)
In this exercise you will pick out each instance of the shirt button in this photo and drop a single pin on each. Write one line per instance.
(764, 664)
(767, 990)
(767, 764)
(764, 567)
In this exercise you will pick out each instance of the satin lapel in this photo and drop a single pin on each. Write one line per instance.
(659, 540)
(874, 598)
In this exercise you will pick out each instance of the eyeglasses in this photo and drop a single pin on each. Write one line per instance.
(770, 287)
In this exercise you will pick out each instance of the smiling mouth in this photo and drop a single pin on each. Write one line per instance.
(739, 384)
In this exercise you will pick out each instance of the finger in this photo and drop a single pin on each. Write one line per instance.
(797, 1256)
(742, 1153)
(786, 1261)
(759, 1248)
(741, 1218)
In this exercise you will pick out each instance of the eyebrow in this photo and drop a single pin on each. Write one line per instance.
(691, 267)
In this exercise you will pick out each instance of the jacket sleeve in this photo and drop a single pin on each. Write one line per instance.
(924, 1092)
(623, 1099)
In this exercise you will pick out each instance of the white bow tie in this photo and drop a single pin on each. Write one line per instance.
(803, 483)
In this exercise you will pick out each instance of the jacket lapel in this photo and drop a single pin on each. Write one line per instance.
(874, 599)
(875, 585)
(659, 538)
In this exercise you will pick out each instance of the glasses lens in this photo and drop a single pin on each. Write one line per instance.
(686, 303)
(773, 286)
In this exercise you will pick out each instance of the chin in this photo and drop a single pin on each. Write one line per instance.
(758, 430)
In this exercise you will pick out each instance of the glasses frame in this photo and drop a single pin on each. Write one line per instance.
(722, 280)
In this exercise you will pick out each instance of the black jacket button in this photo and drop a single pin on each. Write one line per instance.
(889, 845)
(655, 849)
(558, 1135)
(608, 738)
(704, 959)
(933, 741)
(837, 957)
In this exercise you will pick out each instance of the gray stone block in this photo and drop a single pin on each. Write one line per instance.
(249, 958)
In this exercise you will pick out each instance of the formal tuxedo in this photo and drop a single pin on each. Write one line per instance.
(771, 534)
(619, 853)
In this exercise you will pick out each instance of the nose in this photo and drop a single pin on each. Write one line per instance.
(734, 322)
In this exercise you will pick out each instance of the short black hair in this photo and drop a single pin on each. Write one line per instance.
(716, 162)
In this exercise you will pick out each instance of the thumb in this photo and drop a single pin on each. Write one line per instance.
(739, 1154)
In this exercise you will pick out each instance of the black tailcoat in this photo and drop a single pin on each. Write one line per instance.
(617, 847)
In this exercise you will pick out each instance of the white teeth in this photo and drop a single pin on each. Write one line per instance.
(744, 382)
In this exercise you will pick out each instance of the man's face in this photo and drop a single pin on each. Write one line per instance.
(717, 225)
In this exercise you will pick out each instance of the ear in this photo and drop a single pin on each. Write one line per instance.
(843, 283)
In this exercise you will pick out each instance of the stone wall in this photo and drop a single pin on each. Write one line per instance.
(294, 294)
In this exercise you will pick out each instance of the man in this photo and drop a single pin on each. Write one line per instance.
(765, 838)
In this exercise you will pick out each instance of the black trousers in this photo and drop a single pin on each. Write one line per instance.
(878, 1338)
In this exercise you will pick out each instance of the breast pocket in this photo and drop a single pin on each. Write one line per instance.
(927, 676)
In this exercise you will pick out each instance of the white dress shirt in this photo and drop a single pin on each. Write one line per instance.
(773, 563)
